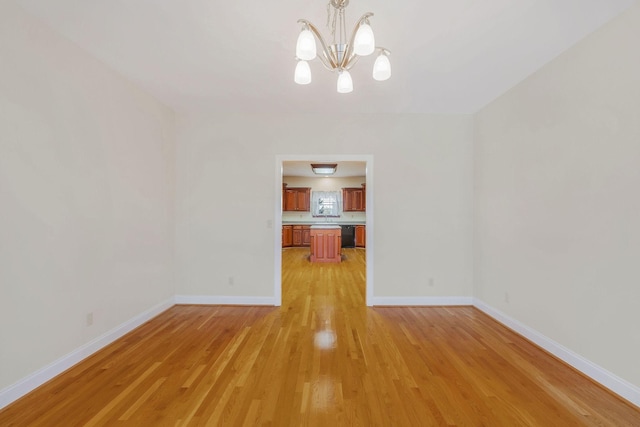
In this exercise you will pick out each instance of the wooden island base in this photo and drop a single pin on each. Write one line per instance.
(326, 242)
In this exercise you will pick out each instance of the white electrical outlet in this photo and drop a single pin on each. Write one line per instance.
(506, 297)
(231, 281)
(89, 319)
(431, 282)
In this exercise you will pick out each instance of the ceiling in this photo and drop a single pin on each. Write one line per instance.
(345, 169)
(450, 56)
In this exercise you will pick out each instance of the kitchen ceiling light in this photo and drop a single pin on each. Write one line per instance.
(324, 169)
(341, 54)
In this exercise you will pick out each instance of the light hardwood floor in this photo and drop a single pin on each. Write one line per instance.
(322, 359)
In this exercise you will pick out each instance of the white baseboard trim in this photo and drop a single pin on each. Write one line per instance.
(421, 301)
(223, 300)
(607, 379)
(41, 376)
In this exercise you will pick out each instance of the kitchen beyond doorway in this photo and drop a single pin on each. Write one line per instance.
(288, 166)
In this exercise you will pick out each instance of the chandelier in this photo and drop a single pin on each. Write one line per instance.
(342, 54)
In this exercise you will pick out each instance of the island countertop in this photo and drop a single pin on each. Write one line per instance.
(323, 223)
(325, 226)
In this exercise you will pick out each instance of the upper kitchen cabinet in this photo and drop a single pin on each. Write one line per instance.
(296, 199)
(354, 199)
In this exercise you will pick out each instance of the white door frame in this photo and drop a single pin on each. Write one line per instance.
(277, 248)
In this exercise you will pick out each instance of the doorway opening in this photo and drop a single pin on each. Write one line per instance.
(280, 161)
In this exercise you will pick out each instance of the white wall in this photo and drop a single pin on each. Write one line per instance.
(423, 195)
(86, 196)
(557, 175)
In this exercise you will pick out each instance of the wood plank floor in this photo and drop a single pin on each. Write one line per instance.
(322, 359)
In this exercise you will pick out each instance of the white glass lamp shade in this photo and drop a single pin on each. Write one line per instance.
(382, 68)
(364, 43)
(306, 46)
(345, 84)
(303, 73)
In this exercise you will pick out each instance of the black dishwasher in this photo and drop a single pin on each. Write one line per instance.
(348, 236)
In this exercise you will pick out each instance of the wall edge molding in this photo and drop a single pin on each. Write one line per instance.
(421, 301)
(224, 300)
(597, 373)
(34, 380)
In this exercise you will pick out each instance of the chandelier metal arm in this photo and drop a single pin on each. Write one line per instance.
(351, 62)
(348, 55)
(326, 58)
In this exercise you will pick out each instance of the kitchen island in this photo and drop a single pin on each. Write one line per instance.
(325, 243)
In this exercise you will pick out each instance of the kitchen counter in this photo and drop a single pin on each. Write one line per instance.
(322, 222)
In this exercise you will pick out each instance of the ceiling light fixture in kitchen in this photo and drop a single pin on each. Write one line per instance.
(341, 54)
(324, 169)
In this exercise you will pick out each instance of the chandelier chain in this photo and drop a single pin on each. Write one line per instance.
(343, 28)
(331, 23)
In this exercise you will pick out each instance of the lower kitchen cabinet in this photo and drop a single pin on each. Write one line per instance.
(361, 236)
(287, 236)
(296, 235)
(306, 235)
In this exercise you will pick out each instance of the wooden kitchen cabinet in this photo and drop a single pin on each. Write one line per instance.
(361, 236)
(296, 235)
(287, 236)
(354, 199)
(296, 199)
(306, 235)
